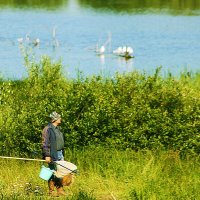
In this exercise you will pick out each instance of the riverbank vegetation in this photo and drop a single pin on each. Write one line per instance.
(132, 136)
(130, 111)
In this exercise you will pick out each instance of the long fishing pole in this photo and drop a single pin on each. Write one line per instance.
(31, 159)
(16, 158)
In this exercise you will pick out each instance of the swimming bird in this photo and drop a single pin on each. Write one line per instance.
(36, 42)
(124, 51)
(129, 50)
(20, 40)
(118, 51)
(27, 38)
(100, 50)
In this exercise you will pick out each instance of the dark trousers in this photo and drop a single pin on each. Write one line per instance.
(57, 181)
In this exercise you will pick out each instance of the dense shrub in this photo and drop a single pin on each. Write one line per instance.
(133, 110)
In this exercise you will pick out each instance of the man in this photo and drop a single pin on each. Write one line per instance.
(53, 150)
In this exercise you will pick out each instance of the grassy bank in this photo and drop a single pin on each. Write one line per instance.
(109, 174)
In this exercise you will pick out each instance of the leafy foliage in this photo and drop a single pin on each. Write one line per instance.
(133, 110)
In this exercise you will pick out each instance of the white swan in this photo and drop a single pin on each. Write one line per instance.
(100, 50)
(129, 50)
(118, 50)
(20, 40)
(124, 51)
(36, 42)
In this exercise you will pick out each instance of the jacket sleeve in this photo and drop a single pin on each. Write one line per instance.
(46, 142)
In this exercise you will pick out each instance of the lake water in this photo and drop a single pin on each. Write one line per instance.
(161, 34)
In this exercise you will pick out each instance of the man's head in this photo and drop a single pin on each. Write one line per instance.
(55, 117)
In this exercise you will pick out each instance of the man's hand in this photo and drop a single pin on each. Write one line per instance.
(48, 159)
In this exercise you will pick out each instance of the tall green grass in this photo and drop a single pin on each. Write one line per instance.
(109, 174)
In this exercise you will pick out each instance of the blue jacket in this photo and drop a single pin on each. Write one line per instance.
(49, 148)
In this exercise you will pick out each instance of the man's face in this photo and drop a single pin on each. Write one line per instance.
(58, 121)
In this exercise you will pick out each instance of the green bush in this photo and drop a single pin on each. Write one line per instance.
(132, 110)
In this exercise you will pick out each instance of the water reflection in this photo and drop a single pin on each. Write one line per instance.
(102, 60)
(125, 63)
(186, 7)
(131, 6)
(50, 4)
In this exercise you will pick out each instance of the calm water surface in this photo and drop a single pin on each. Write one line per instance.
(165, 35)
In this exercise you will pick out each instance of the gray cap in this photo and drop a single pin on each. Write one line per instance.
(54, 116)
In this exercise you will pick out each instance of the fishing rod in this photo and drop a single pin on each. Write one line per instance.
(16, 158)
(40, 160)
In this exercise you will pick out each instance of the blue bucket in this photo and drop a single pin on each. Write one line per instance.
(45, 173)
